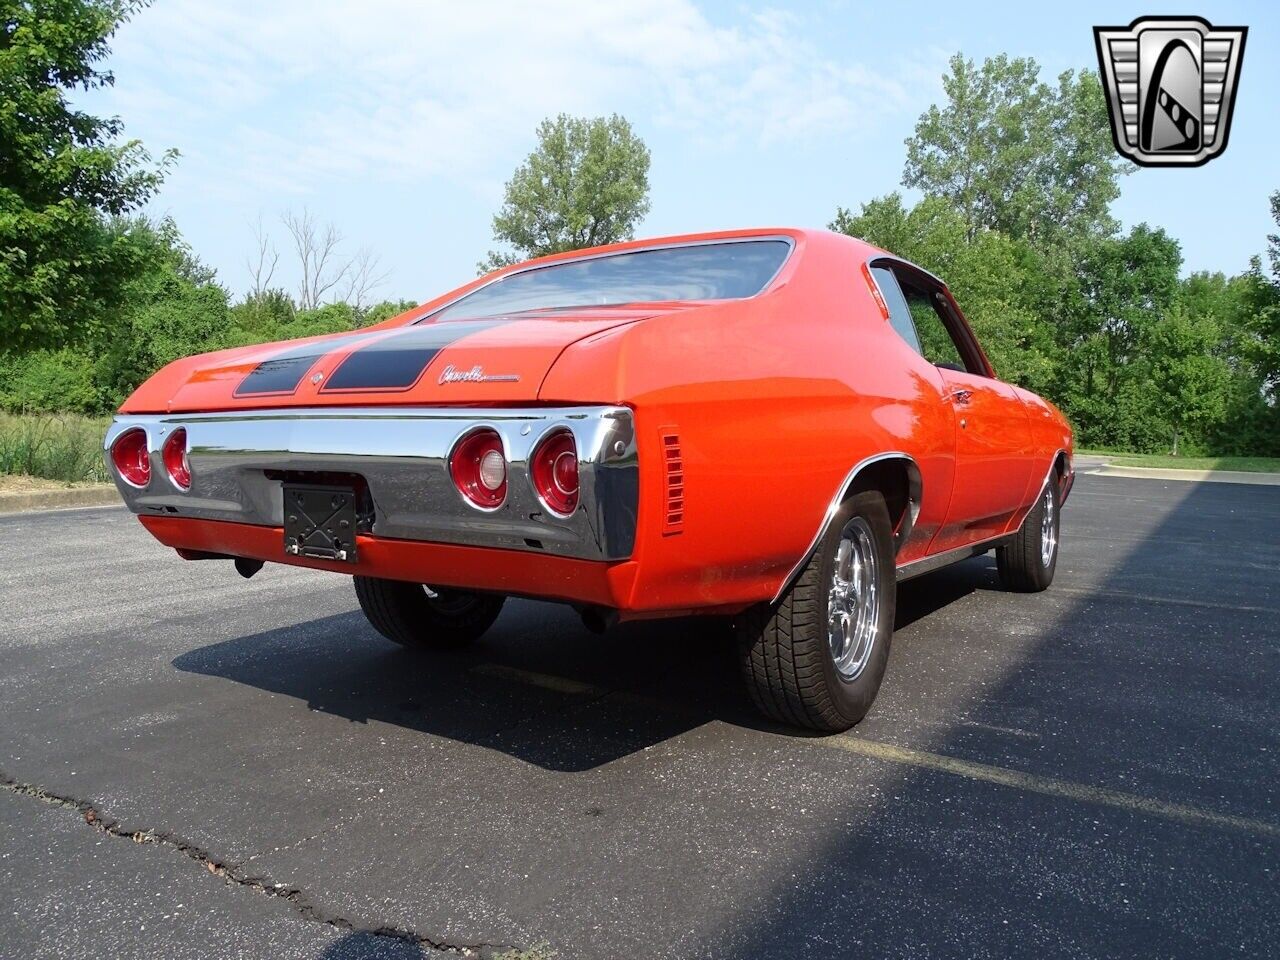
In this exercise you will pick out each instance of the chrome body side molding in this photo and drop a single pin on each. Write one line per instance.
(238, 458)
(914, 494)
(937, 561)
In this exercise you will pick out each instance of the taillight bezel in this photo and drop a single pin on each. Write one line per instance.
(142, 463)
(544, 473)
(177, 466)
(464, 469)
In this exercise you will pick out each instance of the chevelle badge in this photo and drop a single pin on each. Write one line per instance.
(476, 374)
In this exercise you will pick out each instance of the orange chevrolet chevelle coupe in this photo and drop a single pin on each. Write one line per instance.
(774, 426)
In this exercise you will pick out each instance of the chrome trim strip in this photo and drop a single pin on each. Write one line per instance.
(1053, 462)
(402, 453)
(885, 255)
(788, 240)
(913, 509)
(937, 561)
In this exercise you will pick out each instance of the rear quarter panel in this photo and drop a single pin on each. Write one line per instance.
(773, 399)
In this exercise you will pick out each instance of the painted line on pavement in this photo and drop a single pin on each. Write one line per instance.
(1089, 593)
(544, 680)
(1049, 786)
(923, 759)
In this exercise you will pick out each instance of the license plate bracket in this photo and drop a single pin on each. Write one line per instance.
(320, 521)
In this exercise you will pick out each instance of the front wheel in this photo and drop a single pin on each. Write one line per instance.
(415, 615)
(1028, 562)
(816, 658)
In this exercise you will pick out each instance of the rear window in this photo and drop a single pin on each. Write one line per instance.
(705, 271)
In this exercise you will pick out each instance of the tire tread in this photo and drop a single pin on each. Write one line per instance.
(783, 647)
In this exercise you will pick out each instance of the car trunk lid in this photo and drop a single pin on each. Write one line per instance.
(463, 362)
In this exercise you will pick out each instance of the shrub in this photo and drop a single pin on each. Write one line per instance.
(45, 381)
(384, 311)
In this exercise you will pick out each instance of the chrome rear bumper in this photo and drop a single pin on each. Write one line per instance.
(237, 457)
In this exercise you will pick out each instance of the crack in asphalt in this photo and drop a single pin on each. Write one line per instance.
(231, 873)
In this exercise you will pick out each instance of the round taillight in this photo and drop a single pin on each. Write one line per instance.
(479, 469)
(174, 454)
(554, 467)
(130, 457)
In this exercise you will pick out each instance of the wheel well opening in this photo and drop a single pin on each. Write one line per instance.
(898, 481)
(1060, 466)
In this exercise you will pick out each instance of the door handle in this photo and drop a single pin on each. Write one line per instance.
(961, 396)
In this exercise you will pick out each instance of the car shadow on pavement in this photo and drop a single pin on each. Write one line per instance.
(538, 686)
(925, 596)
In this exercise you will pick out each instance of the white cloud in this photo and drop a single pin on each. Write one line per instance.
(302, 91)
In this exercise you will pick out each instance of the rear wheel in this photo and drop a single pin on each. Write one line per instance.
(817, 656)
(415, 615)
(1028, 562)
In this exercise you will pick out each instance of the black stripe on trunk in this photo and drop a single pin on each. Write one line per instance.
(282, 373)
(398, 361)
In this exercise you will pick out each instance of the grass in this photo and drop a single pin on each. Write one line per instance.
(62, 447)
(1246, 464)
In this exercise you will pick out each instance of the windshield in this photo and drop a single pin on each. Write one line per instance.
(704, 271)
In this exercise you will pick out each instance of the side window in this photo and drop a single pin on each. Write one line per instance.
(929, 311)
(899, 311)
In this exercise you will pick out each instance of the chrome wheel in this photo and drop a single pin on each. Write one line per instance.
(1048, 527)
(853, 601)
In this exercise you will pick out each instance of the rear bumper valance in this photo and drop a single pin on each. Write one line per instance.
(238, 459)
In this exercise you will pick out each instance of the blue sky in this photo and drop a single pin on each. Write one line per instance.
(400, 120)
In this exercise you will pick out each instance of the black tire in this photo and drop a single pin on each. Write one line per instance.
(405, 614)
(785, 653)
(1024, 563)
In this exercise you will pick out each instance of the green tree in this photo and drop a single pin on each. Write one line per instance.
(172, 310)
(1015, 154)
(48, 381)
(1125, 285)
(64, 174)
(586, 184)
(1262, 320)
(1191, 382)
(994, 278)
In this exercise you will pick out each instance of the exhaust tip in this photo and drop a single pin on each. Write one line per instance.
(246, 567)
(598, 619)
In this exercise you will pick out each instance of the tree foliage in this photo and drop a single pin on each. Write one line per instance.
(65, 176)
(992, 275)
(586, 184)
(1262, 319)
(1014, 154)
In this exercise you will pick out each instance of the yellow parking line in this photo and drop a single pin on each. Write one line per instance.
(1049, 786)
(1103, 594)
(545, 680)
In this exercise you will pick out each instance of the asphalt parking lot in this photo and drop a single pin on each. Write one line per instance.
(196, 765)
